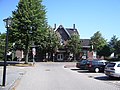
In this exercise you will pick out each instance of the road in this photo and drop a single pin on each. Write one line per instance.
(53, 76)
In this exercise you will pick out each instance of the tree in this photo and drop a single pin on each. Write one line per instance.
(105, 51)
(2, 45)
(50, 42)
(98, 42)
(74, 45)
(112, 44)
(117, 48)
(29, 24)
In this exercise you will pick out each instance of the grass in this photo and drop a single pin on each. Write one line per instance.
(24, 65)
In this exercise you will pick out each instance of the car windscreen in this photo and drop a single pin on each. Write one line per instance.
(110, 64)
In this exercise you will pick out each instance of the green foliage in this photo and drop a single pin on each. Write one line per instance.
(2, 46)
(105, 51)
(117, 47)
(112, 44)
(98, 42)
(74, 44)
(29, 24)
(54, 41)
(50, 41)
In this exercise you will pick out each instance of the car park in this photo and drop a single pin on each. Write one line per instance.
(112, 69)
(96, 65)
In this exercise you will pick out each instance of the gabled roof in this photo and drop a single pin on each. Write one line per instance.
(72, 31)
(69, 31)
(85, 42)
(65, 30)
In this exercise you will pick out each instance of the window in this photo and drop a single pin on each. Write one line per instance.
(118, 65)
(101, 63)
(111, 65)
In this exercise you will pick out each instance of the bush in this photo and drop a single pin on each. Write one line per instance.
(113, 59)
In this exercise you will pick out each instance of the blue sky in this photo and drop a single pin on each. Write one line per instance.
(89, 16)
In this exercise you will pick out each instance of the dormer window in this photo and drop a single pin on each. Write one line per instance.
(61, 41)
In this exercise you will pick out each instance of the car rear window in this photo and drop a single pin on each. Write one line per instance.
(110, 64)
(118, 65)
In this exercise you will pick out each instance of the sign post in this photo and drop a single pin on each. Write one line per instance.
(34, 53)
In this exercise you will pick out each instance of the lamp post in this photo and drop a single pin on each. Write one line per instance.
(13, 51)
(8, 23)
(32, 29)
(49, 47)
(33, 53)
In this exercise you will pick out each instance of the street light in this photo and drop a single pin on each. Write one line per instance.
(33, 53)
(32, 29)
(8, 23)
(13, 51)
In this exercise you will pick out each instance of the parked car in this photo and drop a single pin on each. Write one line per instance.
(81, 64)
(112, 69)
(96, 65)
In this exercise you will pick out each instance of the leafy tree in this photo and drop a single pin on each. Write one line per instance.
(98, 42)
(2, 45)
(105, 51)
(53, 42)
(112, 44)
(50, 42)
(29, 24)
(117, 48)
(74, 45)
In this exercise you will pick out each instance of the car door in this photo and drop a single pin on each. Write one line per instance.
(117, 68)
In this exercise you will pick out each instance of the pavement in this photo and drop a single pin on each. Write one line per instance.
(13, 74)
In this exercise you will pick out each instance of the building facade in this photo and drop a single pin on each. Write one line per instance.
(65, 35)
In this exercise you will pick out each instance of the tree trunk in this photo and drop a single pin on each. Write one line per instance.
(74, 56)
(26, 50)
(26, 55)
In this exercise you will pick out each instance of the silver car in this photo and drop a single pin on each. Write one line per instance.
(112, 69)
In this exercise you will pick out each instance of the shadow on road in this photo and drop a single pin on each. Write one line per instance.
(76, 69)
(106, 78)
(81, 70)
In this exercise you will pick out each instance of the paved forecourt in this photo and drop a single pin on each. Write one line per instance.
(53, 76)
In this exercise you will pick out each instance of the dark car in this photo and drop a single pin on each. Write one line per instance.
(81, 64)
(96, 65)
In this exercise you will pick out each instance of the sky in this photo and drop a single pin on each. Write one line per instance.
(89, 16)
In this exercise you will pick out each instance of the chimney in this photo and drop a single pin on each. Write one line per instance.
(54, 26)
(74, 26)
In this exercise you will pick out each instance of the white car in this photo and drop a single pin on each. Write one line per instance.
(112, 69)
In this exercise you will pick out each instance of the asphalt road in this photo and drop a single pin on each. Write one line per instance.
(53, 76)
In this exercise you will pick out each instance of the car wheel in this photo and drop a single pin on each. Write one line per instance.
(110, 77)
(97, 70)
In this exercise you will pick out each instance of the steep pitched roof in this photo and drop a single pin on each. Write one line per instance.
(72, 31)
(69, 31)
(85, 43)
(65, 30)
